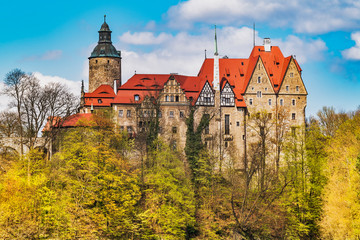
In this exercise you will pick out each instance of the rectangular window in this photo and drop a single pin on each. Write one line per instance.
(287, 88)
(250, 101)
(174, 130)
(297, 88)
(258, 94)
(293, 102)
(128, 113)
(181, 114)
(121, 113)
(237, 123)
(207, 130)
(227, 124)
(281, 102)
(259, 79)
(171, 114)
(293, 116)
(291, 74)
(159, 114)
(269, 101)
(129, 129)
(173, 145)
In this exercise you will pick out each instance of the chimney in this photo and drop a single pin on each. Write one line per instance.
(267, 44)
(115, 86)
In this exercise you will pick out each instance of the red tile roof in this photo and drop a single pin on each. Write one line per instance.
(237, 72)
(79, 119)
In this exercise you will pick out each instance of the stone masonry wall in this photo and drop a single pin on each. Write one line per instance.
(103, 70)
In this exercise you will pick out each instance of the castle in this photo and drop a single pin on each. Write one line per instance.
(234, 92)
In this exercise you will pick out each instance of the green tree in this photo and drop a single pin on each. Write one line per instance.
(168, 196)
(341, 218)
(102, 188)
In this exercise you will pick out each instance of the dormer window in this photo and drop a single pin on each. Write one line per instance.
(99, 101)
(136, 98)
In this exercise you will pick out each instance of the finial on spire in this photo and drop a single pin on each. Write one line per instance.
(105, 18)
(216, 48)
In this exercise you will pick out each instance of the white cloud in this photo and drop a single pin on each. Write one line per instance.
(4, 100)
(74, 87)
(151, 25)
(183, 53)
(144, 38)
(319, 16)
(353, 53)
(304, 49)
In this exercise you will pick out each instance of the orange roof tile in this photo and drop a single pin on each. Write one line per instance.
(74, 120)
(237, 72)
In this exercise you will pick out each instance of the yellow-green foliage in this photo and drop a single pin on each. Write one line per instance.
(341, 217)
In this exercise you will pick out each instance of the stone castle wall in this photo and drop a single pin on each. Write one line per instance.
(103, 70)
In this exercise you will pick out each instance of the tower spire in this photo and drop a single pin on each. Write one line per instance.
(216, 78)
(105, 18)
(216, 48)
(254, 33)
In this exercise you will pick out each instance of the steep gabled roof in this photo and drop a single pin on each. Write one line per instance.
(236, 71)
(103, 91)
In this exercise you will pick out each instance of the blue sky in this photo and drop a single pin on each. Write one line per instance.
(54, 40)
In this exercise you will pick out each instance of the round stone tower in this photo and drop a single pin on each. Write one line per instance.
(105, 61)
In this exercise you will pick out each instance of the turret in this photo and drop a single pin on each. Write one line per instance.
(104, 61)
(216, 79)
